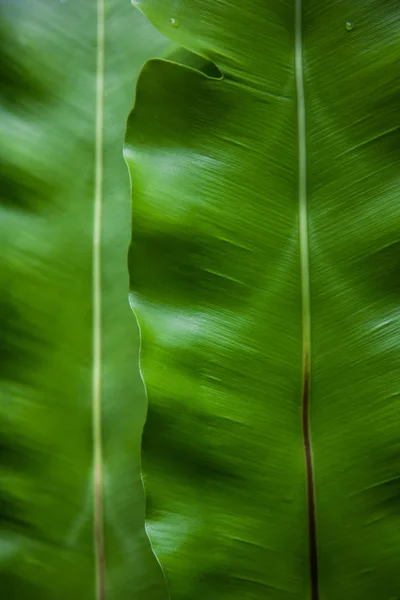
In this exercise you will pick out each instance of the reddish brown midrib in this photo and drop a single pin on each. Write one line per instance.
(312, 531)
(98, 534)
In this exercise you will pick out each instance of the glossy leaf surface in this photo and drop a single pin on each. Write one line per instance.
(51, 91)
(264, 274)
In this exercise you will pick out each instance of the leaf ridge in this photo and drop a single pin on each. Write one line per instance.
(97, 308)
(305, 292)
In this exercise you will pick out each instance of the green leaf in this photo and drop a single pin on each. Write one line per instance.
(264, 273)
(68, 343)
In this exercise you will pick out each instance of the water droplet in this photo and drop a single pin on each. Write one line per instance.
(174, 22)
(349, 25)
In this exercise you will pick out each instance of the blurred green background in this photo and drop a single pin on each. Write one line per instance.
(47, 157)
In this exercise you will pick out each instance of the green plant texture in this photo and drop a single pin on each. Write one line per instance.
(264, 270)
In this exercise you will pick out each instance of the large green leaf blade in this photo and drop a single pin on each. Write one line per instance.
(222, 298)
(354, 174)
(50, 56)
(223, 446)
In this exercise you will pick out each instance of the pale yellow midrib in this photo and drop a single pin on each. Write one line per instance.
(96, 300)
(302, 179)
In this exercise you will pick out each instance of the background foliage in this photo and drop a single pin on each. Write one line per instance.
(47, 121)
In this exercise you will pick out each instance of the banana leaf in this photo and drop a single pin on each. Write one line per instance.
(264, 269)
(71, 399)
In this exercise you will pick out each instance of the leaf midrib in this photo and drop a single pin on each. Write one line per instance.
(97, 307)
(305, 293)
